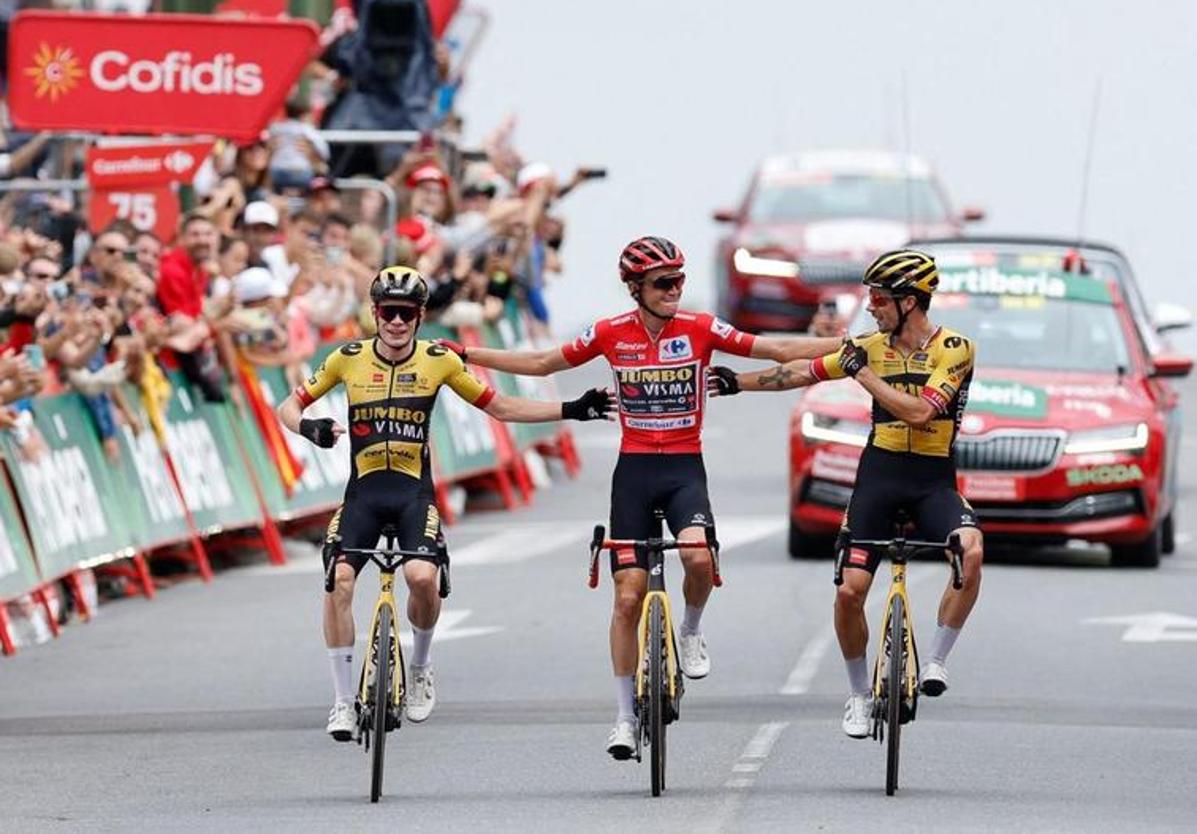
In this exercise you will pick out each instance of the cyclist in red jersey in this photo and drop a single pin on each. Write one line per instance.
(659, 355)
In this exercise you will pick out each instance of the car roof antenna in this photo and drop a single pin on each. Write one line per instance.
(1076, 264)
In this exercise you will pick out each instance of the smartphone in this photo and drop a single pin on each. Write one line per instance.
(37, 359)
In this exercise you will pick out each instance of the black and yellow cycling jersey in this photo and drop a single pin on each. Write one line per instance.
(939, 372)
(390, 403)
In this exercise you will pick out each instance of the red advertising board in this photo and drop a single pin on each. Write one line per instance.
(158, 73)
(145, 164)
(150, 208)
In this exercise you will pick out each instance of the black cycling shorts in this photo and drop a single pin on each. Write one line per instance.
(377, 500)
(923, 486)
(642, 483)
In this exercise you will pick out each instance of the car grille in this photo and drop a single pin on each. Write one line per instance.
(819, 271)
(1008, 452)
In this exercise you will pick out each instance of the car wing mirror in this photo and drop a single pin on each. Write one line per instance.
(1171, 365)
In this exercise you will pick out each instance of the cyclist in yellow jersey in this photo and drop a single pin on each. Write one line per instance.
(918, 375)
(392, 382)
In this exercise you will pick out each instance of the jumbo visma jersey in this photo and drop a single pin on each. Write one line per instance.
(939, 372)
(390, 404)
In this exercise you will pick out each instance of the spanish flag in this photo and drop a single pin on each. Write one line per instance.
(289, 469)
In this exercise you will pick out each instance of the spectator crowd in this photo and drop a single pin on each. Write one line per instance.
(274, 253)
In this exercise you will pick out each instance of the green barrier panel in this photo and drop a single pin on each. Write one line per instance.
(18, 571)
(74, 507)
(461, 436)
(151, 499)
(212, 475)
(509, 333)
(325, 471)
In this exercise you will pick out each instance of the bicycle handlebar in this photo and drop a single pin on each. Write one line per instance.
(377, 554)
(844, 543)
(599, 542)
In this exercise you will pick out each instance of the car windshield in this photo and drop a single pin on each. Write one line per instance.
(848, 196)
(1056, 334)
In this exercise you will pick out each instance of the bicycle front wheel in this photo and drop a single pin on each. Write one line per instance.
(656, 694)
(895, 678)
(382, 699)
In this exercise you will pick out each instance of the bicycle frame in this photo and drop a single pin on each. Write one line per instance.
(897, 588)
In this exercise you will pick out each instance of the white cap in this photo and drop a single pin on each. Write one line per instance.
(257, 283)
(260, 212)
(530, 173)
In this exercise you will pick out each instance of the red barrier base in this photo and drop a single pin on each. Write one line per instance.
(136, 570)
(562, 446)
(6, 641)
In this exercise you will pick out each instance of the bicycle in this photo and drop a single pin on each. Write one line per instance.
(382, 689)
(896, 673)
(658, 683)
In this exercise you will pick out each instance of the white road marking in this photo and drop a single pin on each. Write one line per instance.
(799, 680)
(518, 544)
(1153, 627)
(1183, 538)
(446, 629)
(755, 753)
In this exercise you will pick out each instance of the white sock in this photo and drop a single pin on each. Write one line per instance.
(422, 637)
(942, 642)
(691, 620)
(624, 695)
(858, 675)
(340, 661)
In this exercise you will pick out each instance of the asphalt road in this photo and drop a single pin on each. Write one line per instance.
(204, 709)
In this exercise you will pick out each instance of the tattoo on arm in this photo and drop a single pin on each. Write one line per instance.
(778, 378)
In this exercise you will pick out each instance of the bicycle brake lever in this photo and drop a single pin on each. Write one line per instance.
(841, 550)
(596, 546)
(446, 587)
(713, 546)
(330, 563)
(957, 551)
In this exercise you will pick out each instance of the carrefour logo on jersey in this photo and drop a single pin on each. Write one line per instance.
(675, 348)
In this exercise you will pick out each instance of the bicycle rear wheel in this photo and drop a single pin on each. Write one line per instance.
(656, 694)
(382, 699)
(895, 678)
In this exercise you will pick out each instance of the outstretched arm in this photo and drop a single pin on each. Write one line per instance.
(595, 404)
(524, 362)
(789, 348)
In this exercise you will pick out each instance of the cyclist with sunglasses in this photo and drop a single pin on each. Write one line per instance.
(659, 354)
(392, 381)
(918, 375)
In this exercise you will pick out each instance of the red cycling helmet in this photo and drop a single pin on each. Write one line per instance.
(649, 252)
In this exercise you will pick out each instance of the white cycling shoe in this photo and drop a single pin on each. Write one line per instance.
(341, 720)
(858, 711)
(621, 744)
(421, 694)
(935, 679)
(696, 663)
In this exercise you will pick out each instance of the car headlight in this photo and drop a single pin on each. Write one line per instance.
(821, 427)
(1131, 437)
(745, 262)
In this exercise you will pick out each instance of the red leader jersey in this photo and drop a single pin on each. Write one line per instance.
(660, 382)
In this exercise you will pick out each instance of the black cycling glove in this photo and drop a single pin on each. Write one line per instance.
(595, 404)
(722, 381)
(853, 358)
(319, 431)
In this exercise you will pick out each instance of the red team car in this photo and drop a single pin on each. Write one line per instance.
(809, 224)
(1071, 430)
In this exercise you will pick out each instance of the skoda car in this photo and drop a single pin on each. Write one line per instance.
(1071, 430)
(811, 222)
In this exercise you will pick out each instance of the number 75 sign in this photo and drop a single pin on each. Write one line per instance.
(136, 183)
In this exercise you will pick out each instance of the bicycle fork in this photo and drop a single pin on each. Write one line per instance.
(910, 674)
(386, 597)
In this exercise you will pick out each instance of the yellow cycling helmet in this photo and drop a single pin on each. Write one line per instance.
(903, 272)
(399, 283)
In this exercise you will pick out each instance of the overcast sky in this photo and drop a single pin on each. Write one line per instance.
(680, 100)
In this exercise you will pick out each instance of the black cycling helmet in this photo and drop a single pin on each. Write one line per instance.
(399, 283)
(645, 253)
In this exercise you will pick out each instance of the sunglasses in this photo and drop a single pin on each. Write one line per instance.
(405, 312)
(114, 250)
(668, 282)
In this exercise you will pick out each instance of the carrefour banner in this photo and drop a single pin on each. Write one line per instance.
(18, 573)
(511, 333)
(72, 502)
(155, 73)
